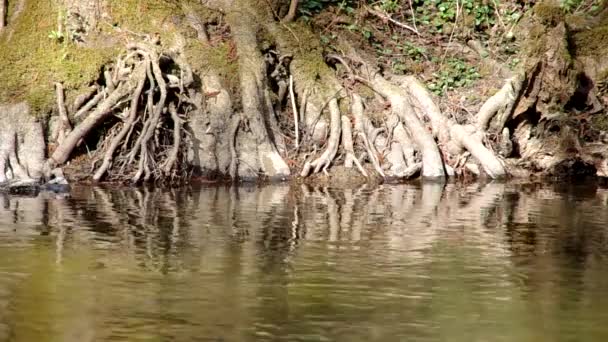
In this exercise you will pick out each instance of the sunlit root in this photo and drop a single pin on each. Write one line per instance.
(347, 142)
(324, 161)
(460, 136)
(365, 128)
(503, 101)
(432, 164)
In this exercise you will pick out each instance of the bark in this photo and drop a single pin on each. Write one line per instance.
(252, 76)
(21, 144)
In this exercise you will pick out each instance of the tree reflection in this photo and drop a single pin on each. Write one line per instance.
(277, 260)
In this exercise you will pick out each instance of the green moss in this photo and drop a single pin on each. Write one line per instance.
(32, 62)
(150, 16)
(309, 66)
(221, 58)
(549, 13)
(594, 41)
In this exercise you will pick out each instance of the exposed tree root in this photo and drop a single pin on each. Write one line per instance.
(146, 143)
(432, 164)
(152, 118)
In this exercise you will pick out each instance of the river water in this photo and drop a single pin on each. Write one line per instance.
(493, 262)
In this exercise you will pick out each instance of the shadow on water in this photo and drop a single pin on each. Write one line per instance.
(495, 261)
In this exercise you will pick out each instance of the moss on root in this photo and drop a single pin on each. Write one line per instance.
(549, 13)
(151, 16)
(309, 67)
(593, 41)
(220, 57)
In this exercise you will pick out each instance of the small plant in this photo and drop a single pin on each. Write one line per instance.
(398, 68)
(455, 73)
(577, 6)
(308, 8)
(513, 63)
(56, 36)
(437, 14)
(367, 33)
(390, 5)
(416, 53)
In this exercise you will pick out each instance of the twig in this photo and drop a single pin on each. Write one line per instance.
(452, 33)
(294, 107)
(413, 15)
(398, 23)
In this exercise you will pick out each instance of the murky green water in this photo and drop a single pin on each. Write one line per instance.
(396, 263)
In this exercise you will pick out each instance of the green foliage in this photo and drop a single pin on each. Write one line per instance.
(416, 53)
(455, 73)
(440, 14)
(390, 5)
(308, 8)
(575, 6)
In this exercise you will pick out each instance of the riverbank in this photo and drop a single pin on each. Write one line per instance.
(510, 91)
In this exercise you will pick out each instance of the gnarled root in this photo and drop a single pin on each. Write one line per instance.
(460, 137)
(347, 138)
(432, 163)
(146, 143)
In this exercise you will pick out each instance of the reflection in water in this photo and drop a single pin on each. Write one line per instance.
(499, 262)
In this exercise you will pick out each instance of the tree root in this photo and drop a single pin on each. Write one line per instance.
(347, 138)
(432, 163)
(159, 120)
(460, 137)
(147, 142)
(324, 161)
